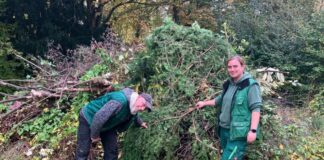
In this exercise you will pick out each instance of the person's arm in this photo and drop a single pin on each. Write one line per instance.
(212, 102)
(204, 103)
(139, 122)
(102, 116)
(255, 103)
(255, 118)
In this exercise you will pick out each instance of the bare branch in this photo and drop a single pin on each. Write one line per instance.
(15, 99)
(190, 110)
(5, 94)
(33, 64)
(20, 80)
(12, 85)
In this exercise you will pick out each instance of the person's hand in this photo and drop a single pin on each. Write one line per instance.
(200, 105)
(251, 137)
(95, 140)
(144, 125)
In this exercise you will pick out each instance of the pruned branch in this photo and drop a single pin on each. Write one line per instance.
(190, 110)
(59, 78)
(33, 64)
(20, 80)
(15, 99)
(8, 95)
(5, 84)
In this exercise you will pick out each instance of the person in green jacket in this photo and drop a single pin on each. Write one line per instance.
(102, 118)
(240, 102)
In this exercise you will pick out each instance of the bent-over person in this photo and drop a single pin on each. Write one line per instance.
(101, 120)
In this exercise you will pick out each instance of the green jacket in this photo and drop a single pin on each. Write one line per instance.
(122, 117)
(240, 113)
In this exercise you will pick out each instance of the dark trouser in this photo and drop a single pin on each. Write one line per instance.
(109, 142)
(108, 139)
(232, 150)
(83, 139)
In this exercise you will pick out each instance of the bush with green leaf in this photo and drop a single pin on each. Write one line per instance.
(317, 108)
(317, 104)
(287, 133)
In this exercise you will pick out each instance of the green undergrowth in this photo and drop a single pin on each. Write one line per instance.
(43, 128)
(288, 133)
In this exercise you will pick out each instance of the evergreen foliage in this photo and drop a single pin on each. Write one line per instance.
(182, 65)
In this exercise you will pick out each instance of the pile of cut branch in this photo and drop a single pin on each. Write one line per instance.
(56, 78)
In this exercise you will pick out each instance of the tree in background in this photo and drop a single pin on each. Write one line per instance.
(270, 27)
(10, 66)
(70, 23)
(311, 58)
(37, 22)
(282, 34)
(134, 20)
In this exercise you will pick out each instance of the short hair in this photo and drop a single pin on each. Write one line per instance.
(236, 57)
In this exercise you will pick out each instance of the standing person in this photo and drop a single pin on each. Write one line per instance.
(103, 117)
(239, 116)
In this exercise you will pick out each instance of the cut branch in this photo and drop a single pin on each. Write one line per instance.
(2, 83)
(190, 110)
(20, 80)
(15, 99)
(8, 95)
(33, 64)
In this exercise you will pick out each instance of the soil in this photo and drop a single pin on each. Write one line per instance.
(15, 151)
